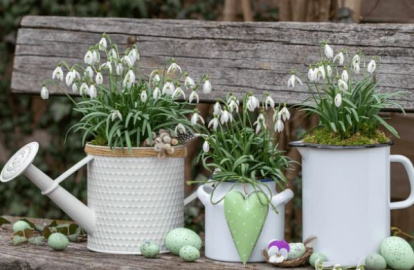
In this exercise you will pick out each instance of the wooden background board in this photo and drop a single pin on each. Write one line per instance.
(239, 57)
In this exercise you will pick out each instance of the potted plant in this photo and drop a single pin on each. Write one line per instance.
(346, 158)
(136, 128)
(243, 209)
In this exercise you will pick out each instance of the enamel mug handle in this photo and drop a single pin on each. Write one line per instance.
(410, 171)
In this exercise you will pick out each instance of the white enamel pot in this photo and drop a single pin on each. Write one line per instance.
(218, 240)
(346, 198)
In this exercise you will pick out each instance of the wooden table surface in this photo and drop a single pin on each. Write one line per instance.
(77, 256)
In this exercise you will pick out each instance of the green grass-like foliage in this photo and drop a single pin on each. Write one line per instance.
(348, 109)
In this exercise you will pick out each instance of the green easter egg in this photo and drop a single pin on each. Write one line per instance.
(296, 250)
(20, 226)
(397, 253)
(58, 241)
(150, 249)
(189, 253)
(375, 262)
(180, 237)
(317, 255)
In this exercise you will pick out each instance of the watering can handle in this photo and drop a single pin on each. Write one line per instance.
(410, 172)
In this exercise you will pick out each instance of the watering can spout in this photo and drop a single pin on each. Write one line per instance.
(21, 162)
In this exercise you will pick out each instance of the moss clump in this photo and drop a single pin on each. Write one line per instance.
(101, 141)
(326, 137)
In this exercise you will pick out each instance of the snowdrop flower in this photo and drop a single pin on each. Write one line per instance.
(371, 66)
(207, 86)
(260, 122)
(279, 123)
(206, 147)
(318, 264)
(329, 70)
(342, 85)
(337, 267)
(96, 57)
(133, 54)
(226, 117)
(44, 93)
(356, 68)
(178, 92)
(195, 118)
(129, 79)
(168, 88)
(194, 95)
(345, 76)
(102, 44)
(292, 79)
(156, 78)
(116, 114)
(74, 88)
(127, 61)
(180, 129)
(88, 72)
(76, 74)
(84, 89)
(252, 103)
(269, 102)
(173, 67)
(108, 66)
(285, 114)
(356, 60)
(119, 69)
(214, 122)
(340, 57)
(144, 96)
(70, 76)
(338, 100)
(113, 55)
(58, 73)
(233, 106)
(328, 51)
(313, 74)
(321, 73)
(99, 78)
(157, 93)
(92, 91)
(88, 59)
(189, 83)
(217, 108)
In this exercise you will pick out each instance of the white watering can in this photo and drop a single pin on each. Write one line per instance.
(346, 198)
(122, 212)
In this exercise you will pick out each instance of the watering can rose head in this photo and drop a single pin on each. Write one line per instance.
(120, 105)
(345, 97)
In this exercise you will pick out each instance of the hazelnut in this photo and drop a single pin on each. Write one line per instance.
(158, 140)
(167, 139)
(174, 141)
(159, 147)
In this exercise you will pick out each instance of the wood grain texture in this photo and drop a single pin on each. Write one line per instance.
(239, 57)
(77, 256)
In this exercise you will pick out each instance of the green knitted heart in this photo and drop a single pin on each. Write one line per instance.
(245, 217)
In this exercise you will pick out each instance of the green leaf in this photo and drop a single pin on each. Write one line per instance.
(37, 240)
(18, 240)
(387, 126)
(4, 221)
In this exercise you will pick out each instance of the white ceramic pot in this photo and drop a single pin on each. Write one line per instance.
(218, 240)
(346, 198)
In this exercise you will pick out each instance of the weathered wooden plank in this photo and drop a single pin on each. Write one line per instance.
(239, 57)
(77, 256)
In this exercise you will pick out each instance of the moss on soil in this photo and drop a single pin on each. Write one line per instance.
(323, 136)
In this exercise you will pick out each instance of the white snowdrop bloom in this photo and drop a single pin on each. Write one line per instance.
(356, 68)
(321, 73)
(88, 72)
(337, 267)
(133, 54)
(329, 70)
(156, 94)
(340, 57)
(285, 114)
(70, 77)
(173, 67)
(76, 74)
(292, 79)
(217, 108)
(156, 78)
(144, 96)
(107, 66)
(96, 57)
(116, 114)
(260, 122)
(99, 78)
(180, 129)
(226, 117)
(126, 60)
(92, 91)
(269, 102)
(75, 87)
(279, 126)
(356, 60)
(119, 69)
(103, 44)
(44, 93)
(189, 83)
(371, 66)
(84, 89)
(168, 89)
(338, 100)
(214, 122)
(252, 103)
(88, 59)
(345, 76)
(206, 146)
(207, 87)
(58, 73)
(195, 118)
(343, 85)
(233, 106)
(328, 51)
(178, 92)
(313, 74)
(113, 55)
(194, 96)
(129, 79)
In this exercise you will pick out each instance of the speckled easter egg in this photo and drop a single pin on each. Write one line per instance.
(189, 253)
(150, 249)
(58, 241)
(315, 256)
(180, 237)
(375, 262)
(20, 226)
(397, 253)
(296, 250)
